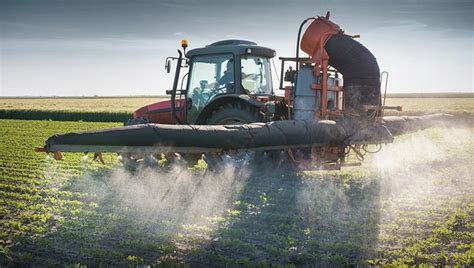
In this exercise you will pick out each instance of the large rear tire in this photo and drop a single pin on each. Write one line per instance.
(234, 114)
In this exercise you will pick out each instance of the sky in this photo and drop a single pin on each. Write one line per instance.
(106, 48)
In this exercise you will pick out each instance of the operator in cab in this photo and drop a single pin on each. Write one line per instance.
(227, 78)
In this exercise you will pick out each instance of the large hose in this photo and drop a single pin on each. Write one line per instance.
(182, 138)
(257, 136)
(360, 70)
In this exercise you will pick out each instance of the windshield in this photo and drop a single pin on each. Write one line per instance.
(256, 75)
(210, 76)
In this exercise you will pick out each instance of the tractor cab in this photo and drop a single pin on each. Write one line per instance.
(219, 74)
(226, 69)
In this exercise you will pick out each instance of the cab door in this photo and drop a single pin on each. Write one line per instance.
(209, 76)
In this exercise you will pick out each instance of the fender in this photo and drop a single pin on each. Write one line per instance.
(224, 99)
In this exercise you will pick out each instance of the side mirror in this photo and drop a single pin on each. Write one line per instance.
(168, 66)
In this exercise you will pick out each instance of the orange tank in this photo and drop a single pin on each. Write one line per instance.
(316, 36)
(313, 41)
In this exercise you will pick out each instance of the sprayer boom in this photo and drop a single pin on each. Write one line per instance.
(278, 135)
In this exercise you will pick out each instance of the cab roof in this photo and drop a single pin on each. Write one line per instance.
(232, 46)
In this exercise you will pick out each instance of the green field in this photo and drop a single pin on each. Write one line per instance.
(411, 203)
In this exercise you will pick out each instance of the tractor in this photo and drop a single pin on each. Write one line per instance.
(227, 82)
(213, 92)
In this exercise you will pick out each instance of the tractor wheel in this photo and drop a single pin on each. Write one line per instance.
(236, 114)
(232, 114)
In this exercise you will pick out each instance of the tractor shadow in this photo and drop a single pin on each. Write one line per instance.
(305, 218)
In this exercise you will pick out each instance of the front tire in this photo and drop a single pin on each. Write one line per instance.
(134, 161)
(136, 121)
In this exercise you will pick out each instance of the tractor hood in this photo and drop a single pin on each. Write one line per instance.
(159, 112)
(162, 106)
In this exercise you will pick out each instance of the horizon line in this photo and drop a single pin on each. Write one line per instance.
(470, 94)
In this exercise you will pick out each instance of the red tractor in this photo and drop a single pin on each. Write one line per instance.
(212, 91)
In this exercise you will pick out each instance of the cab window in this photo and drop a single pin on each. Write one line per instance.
(210, 76)
(256, 75)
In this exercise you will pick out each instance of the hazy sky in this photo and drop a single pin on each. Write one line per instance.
(50, 47)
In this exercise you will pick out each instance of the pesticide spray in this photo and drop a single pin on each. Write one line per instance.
(420, 179)
(420, 172)
(179, 195)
